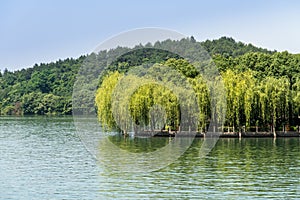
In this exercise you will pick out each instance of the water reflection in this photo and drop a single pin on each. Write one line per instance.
(239, 169)
(43, 158)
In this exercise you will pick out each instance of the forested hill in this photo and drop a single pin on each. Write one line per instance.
(42, 89)
(226, 46)
(47, 88)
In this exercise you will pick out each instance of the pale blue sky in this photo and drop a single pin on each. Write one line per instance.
(44, 31)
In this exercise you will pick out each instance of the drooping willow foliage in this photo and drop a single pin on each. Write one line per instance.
(267, 102)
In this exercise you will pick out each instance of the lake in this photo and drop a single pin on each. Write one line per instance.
(44, 158)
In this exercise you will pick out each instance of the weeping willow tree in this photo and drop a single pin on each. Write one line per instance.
(104, 100)
(296, 101)
(274, 96)
(151, 105)
(248, 83)
(154, 95)
(203, 101)
(296, 97)
(239, 94)
(155, 106)
(250, 100)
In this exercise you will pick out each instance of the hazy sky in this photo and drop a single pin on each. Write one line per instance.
(44, 31)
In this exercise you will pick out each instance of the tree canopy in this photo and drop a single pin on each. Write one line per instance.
(262, 86)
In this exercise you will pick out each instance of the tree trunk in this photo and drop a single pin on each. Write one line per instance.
(274, 132)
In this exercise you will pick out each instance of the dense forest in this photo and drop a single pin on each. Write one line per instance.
(262, 86)
(42, 89)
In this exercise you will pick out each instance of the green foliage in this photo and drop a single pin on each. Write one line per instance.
(226, 46)
(183, 66)
(104, 100)
(203, 100)
(253, 98)
(262, 87)
(274, 99)
(296, 96)
(43, 89)
(156, 106)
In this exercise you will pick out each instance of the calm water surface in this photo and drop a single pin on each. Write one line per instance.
(43, 158)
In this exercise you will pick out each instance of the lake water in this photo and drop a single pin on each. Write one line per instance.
(43, 158)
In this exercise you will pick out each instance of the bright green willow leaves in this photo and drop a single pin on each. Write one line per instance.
(104, 100)
(251, 100)
(154, 105)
